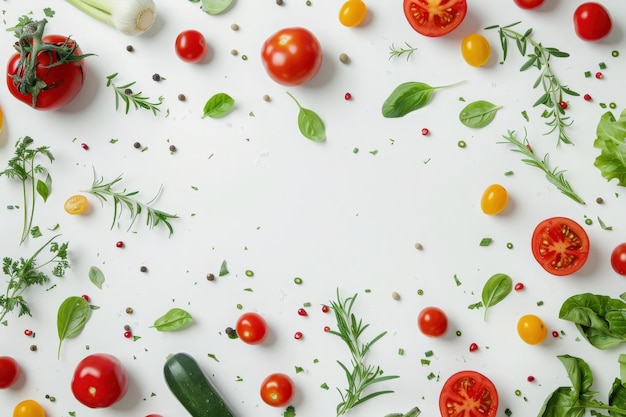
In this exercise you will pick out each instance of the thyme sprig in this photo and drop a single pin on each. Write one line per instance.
(362, 375)
(123, 199)
(396, 53)
(553, 90)
(555, 176)
(138, 100)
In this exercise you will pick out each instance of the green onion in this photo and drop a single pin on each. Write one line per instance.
(602, 65)
(462, 144)
(297, 280)
(587, 74)
(131, 17)
(486, 241)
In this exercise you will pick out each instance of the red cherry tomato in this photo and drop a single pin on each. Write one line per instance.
(63, 81)
(251, 328)
(191, 46)
(592, 21)
(292, 56)
(468, 394)
(432, 321)
(560, 245)
(528, 4)
(9, 371)
(435, 17)
(618, 259)
(277, 390)
(99, 381)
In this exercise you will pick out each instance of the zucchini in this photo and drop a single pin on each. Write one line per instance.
(193, 389)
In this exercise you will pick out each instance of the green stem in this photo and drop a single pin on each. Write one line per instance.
(602, 406)
(100, 10)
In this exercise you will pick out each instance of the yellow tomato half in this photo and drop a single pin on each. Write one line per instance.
(76, 204)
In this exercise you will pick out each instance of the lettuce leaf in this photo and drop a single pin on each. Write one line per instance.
(611, 139)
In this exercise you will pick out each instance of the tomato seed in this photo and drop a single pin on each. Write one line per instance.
(530, 378)
(473, 347)
(28, 332)
(325, 309)
(86, 297)
(587, 97)
(302, 312)
(347, 96)
(555, 334)
(119, 244)
(599, 75)
(563, 104)
(84, 146)
(326, 329)
(425, 131)
(519, 286)
(297, 335)
(128, 334)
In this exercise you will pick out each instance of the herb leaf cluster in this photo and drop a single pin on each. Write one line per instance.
(137, 99)
(611, 140)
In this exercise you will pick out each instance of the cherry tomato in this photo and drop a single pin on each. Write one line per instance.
(560, 245)
(618, 259)
(63, 81)
(9, 371)
(494, 199)
(475, 50)
(435, 17)
(76, 204)
(99, 381)
(432, 321)
(191, 46)
(292, 56)
(29, 408)
(531, 329)
(592, 21)
(529, 4)
(277, 390)
(468, 394)
(251, 328)
(352, 13)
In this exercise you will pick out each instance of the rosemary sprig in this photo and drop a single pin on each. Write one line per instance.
(396, 53)
(123, 199)
(124, 93)
(554, 176)
(362, 376)
(553, 89)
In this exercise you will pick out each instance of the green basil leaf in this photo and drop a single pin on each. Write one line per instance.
(478, 114)
(214, 7)
(407, 97)
(218, 106)
(310, 124)
(495, 290)
(578, 372)
(43, 188)
(71, 318)
(96, 276)
(175, 319)
(563, 402)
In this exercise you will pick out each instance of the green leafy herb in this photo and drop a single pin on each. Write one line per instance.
(478, 114)
(25, 273)
(363, 375)
(603, 225)
(554, 176)
(138, 100)
(174, 319)
(126, 199)
(223, 268)
(35, 232)
(408, 97)
(486, 241)
(396, 53)
(495, 290)
(218, 105)
(214, 7)
(611, 140)
(290, 411)
(25, 166)
(413, 412)
(96, 276)
(71, 318)
(310, 124)
(539, 57)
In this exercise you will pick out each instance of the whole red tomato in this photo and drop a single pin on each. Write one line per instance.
(99, 381)
(191, 46)
(277, 390)
(592, 21)
(292, 56)
(61, 82)
(618, 260)
(9, 371)
(528, 4)
(435, 17)
(432, 321)
(251, 328)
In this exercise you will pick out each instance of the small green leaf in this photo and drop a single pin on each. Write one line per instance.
(174, 319)
(290, 411)
(495, 290)
(218, 105)
(214, 7)
(96, 276)
(310, 124)
(478, 114)
(43, 188)
(223, 268)
(71, 318)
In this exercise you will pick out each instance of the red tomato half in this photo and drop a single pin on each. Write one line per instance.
(468, 394)
(432, 321)
(191, 46)
(277, 390)
(9, 371)
(251, 328)
(99, 381)
(560, 245)
(292, 56)
(435, 17)
(528, 4)
(592, 21)
(62, 82)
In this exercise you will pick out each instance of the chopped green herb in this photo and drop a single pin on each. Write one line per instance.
(486, 241)
(509, 245)
(587, 74)
(604, 226)
(324, 386)
(425, 362)
(539, 303)
(420, 292)
(525, 116)
(249, 273)
(212, 356)
(429, 353)
(462, 144)
(475, 305)
(431, 376)
(223, 269)
(508, 412)
(297, 280)
(602, 65)
(355, 150)
(290, 411)
(456, 280)
(508, 173)
(400, 351)
(615, 54)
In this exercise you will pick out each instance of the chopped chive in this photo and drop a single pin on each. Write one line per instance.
(431, 376)
(425, 362)
(615, 54)
(400, 351)
(249, 273)
(475, 305)
(367, 291)
(602, 65)
(508, 412)
(355, 150)
(458, 333)
(456, 280)
(612, 105)
(429, 353)
(462, 144)
(299, 369)
(509, 245)
(486, 241)
(518, 393)
(539, 303)
(307, 304)
(508, 173)
(297, 280)
(239, 306)
(324, 386)
(525, 115)
(587, 74)
(603, 105)
(604, 226)
(420, 292)
(588, 221)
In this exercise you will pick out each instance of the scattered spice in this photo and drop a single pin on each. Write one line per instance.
(347, 96)
(266, 97)
(143, 268)
(234, 52)
(126, 327)
(530, 378)
(137, 145)
(128, 334)
(599, 75)
(129, 310)
(84, 146)
(344, 58)
(473, 347)
(210, 277)
(302, 312)
(156, 77)
(234, 26)
(279, 2)
(172, 148)
(28, 332)
(587, 97)
(33, 348)
(395, 296)
(298, 335)
(181, 97)
(130, 48)
(119, 244)
(418, 246)
(519, 286)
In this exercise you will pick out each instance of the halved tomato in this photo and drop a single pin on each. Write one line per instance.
(435, 17)
(468, 394)
(560, 245)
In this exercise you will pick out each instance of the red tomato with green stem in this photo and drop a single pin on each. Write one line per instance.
(277, 390)
(592, 21)
(292, 56)
(432, 321)
(468, 394)
(9, 371)
(191, 46)
(251, 328)
(560, 245)
(528, 4)
(99, 381)
(435, 17)
(618, 259)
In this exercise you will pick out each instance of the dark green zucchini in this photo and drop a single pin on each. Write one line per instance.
(193, 389)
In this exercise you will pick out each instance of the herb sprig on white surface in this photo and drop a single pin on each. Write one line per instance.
(138, 100)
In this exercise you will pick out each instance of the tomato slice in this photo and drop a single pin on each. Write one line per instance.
(435, 17)
(468, 394)
(560, 245)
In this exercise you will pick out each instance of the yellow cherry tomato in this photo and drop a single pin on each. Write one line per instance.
(76, 204)
(29, 408)
(494, 199)
(352, 13)
(531, 329)
(475, 50)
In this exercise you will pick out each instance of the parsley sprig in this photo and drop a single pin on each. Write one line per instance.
(398, 52)
(138, 100)
(553, 90)
(555, 176)
(25, 273)
(362, 375)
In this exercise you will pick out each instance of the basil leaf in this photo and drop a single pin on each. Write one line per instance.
(478, 114)
(43, 188)
(175, 319)
(214, 7)
(96, 276)
(408, 97)
(219, 105)
(310, 124)
(71, 318)
(495, 290)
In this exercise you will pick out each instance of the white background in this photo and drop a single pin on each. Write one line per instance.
(250, 190)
